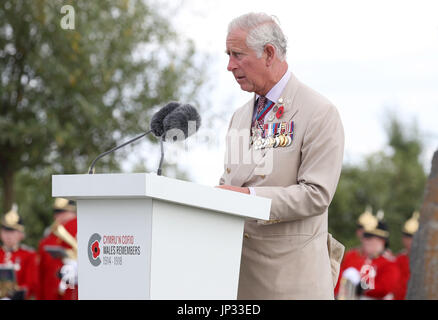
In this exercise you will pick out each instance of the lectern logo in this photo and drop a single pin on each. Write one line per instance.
(111, 250)
(94, 249)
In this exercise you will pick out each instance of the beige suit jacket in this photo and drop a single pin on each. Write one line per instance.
(291, 256)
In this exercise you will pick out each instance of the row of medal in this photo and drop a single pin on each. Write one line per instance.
(273, 135)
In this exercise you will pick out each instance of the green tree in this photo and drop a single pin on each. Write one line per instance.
(68, 95)
(393, 181)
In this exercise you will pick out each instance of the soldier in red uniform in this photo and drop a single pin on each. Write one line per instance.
(388, 252)
(409, 229)
(52, 250)
(19, 259)
(357, 252)
(372, 274)
(69, 272)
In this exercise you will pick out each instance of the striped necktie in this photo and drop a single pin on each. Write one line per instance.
(263, 107)
(261, 103)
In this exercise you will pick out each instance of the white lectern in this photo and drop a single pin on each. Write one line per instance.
(143, 236)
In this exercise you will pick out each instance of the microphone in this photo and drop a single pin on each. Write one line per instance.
(156, 126)
(179, 119)
(157, 119)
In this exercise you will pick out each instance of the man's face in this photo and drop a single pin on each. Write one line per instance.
(249, 71)
(359, 233)
(407, 242)
(372, 245)
(11, 238)
(64, 216)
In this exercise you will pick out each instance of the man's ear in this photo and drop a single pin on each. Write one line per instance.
(270, 53)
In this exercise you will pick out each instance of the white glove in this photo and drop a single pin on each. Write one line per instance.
(352, 274)
(69, 275)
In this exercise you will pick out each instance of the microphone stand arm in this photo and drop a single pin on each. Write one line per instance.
(162, 155)
(91, 170)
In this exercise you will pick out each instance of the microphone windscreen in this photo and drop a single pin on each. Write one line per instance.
(157, 119)
(180, 118)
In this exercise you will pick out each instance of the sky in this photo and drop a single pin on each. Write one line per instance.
(369, 58)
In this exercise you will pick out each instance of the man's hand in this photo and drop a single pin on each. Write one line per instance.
(232, 188)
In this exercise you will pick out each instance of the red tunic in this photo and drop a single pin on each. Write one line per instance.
(403, 265)
(352, 257)
(72, 227)
(25, 264)
(49, 267)
(381, 274)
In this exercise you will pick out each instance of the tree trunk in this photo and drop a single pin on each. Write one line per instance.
(7, 174)
(423, 283)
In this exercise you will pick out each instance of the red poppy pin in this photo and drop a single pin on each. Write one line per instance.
(95, 249)
(279, 112)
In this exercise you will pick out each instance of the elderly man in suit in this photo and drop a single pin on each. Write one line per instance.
(285, 144)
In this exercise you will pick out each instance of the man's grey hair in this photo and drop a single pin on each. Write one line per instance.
(262, 29)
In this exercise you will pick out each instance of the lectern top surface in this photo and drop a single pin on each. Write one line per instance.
(148, 185)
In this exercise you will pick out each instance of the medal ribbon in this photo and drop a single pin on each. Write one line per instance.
(262, 114)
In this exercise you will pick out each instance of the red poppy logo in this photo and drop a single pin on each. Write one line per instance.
(95, 249)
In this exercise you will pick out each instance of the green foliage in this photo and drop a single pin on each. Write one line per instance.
(393, 181)
(68, 95)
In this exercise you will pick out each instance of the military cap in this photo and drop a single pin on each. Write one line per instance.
(12, 221)
(62, 204)
(365, 217)
(375, 226)
(411, 225)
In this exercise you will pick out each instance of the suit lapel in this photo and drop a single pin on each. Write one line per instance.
(246, 117)
(288, 95)
(246, 162)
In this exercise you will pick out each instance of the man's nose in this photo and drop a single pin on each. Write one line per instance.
(231, 64)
